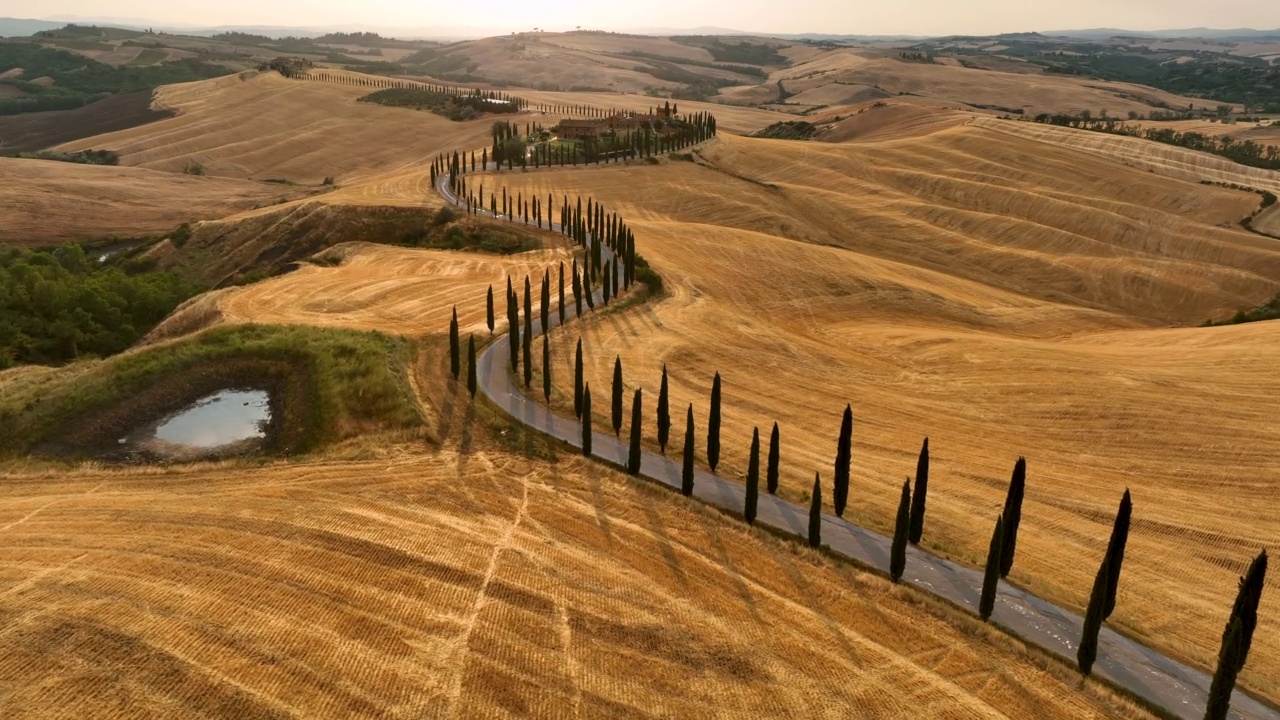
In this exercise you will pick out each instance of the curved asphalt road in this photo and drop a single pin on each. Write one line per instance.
(1177, 688)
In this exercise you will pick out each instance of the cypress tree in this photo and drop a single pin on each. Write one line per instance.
(991, 576)
(1013, 515)
(753, 478)
(471, 365)
(607, 285)
(528, 356)
(577, 380)
(488, 301)
(713, 425)
(771, 476)
(1115, 553)
(1246, 605)
(577, 286)
(901, 529)
(686, 474)
(815, 513)
(615, 276)
(844, 458)
(1237, 638)
(617, 395)
(664, 415)
(633, 456)
(513, 327)
(1087, 653)
(561, 305)
(546, 300)
(917, 500)
(586, 420)
(455, 350)
(546, 367)
(1224, 678)
(586, 291)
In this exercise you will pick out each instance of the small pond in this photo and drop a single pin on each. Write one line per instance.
(227, 422)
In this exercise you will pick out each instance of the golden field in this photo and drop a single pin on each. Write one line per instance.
(466, 579)
(1001, 296)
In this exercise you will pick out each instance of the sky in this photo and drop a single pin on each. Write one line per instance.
(860, 17)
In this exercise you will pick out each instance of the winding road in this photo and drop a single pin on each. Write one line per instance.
(1161, 681)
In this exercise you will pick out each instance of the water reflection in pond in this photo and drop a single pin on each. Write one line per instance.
(225, 417)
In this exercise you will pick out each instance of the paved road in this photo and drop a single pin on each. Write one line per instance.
(1162, 681)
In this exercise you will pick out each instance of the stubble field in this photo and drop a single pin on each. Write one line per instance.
(1001, 298)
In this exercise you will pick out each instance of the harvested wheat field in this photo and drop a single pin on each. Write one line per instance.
(390, 289)
(468, 581)
(264, 126)
(1001, 296)
(43, 201)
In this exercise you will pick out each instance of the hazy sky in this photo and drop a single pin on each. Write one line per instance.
(919, 17)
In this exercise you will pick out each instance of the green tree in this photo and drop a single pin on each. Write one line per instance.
(1087, 652)
(844, 457)
(815, 513)
(633, 454)
(577, 289)
(753, 478)
(1115, 551)
(546, 367)
(1224, 678)
(901, 529)
(586, 420)
(713, 425)
(528, 332)
(489, 309)
(546, 300)
(917, 501)
(455, 361)
(664, 414)
(577, 380)
(771, 475)
(1013, 515)
(991, 576)
(513, 326)
(686, 473)
(471, 365)
(617, 395)
(560, 307)
(607, 286)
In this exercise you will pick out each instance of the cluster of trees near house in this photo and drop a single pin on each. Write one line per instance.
(1245, 152)
(593, 227)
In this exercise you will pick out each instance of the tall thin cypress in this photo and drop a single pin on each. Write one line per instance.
(586, 420)
(991, 575)
(664, 414)
(918, 497)
(1246, 604)
(577, 380)
(844, 457)
(488, 301)
(528, 332)
(1224, 678)
(1013, 515)
(771, 474)
(1087, 652)
(546, 300)
(1115, 551)
(561, 305)
(577, 287)
(633, 455)
(815, 513)
(617, 395)
(901, 528)
(686, 473)
(713, 425)
(753, 478)
(513, 326)
(455, 349)
(546, 367)
(471, 365)
(606, 285)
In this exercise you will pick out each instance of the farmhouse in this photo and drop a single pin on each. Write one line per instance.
(581, 129)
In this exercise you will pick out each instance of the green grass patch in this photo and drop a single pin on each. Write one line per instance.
(327, 385)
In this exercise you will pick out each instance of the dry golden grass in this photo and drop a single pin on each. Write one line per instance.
(391, 289)
(814, 83)
(262, 125)
(1002, 297)
(462, 582)
(43, 201)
